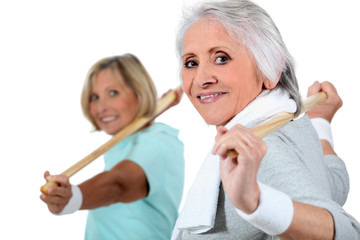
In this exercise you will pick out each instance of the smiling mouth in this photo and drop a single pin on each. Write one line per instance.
(209, 96)
(108, 119)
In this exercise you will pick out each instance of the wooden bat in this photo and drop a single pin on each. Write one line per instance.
(281, 119)
(134, 126)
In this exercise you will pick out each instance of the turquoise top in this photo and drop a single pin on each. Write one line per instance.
(159, 152)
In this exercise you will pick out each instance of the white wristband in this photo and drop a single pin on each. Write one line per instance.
(323, 129)
(74, 203)
(274, 213)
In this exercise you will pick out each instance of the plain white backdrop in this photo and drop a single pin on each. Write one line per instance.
(46, 48)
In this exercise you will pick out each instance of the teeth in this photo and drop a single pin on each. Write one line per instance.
(212, 95)
(107, 119)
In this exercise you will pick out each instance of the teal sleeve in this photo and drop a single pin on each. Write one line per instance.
(150, 154)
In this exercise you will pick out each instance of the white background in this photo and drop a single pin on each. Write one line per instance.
(46, 47)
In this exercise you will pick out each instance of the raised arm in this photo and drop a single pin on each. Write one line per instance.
(325, 110)
(321, 117)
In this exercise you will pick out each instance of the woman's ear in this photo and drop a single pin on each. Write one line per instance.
(272, 84)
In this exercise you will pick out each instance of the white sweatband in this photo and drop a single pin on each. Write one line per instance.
(323, 129)
(74, 203)
(274, 213)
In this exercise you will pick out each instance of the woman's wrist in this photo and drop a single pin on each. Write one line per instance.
(74, 203)
(323, 129)
(274, 213)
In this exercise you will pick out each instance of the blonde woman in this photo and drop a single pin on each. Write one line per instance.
(138, 194)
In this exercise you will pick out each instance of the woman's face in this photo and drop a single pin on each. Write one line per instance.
(113, 105)
(218, 75)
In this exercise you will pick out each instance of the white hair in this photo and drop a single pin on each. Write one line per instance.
(253, 27)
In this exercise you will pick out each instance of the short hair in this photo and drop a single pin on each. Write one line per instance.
(253, 27)
(128, 70)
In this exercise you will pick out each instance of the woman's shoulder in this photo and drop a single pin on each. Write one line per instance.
(162, 127)
(159, 130)
(294, 158)
(159, 134)
(296, 132)
(296, 142)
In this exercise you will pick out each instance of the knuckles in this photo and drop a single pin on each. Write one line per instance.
(248, 145)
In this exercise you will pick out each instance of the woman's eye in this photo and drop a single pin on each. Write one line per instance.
(113, 93)
(190, 64)
(222, 59)
(93, 97)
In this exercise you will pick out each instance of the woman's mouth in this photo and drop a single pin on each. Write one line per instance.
(107, 119)
(210, 97)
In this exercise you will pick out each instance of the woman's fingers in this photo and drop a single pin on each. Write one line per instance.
(54, 199)
(314, 88)
(46, 174)
(59, 195)
(62, 190)
(62, 180)
(330, 106)
(238, 174)
(241, 139)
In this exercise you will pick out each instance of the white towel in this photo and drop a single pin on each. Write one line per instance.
(199, 210)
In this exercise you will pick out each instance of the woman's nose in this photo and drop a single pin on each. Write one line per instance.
(101, 106)
(205, 76)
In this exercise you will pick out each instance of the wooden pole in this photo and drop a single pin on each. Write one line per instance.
(281, 119)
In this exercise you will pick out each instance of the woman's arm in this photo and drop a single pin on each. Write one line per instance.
(309, 222)
(125, 182)
(325, 110)
(327, 148)
(239, 180)
(336, 169)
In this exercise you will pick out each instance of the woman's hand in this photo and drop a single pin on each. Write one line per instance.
(325, 110)
(58, 196)
(179, 92)
(238, 175)
(330, 106)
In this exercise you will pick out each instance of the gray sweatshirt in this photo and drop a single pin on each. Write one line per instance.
(294, 164)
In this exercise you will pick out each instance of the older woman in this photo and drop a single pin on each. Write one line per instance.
(237, 72)
(138, 194)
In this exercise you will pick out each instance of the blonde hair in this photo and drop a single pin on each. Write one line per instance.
(128, 70)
